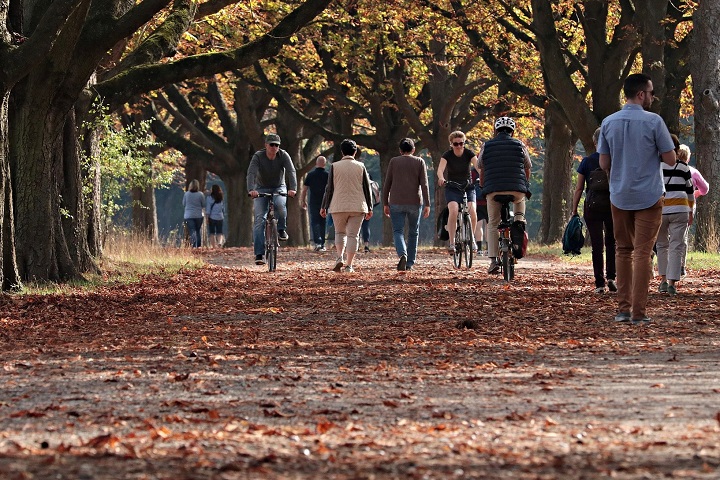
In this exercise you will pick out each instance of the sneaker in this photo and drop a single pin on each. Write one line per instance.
(259, 260)
(408, 268)
(322, 248)
(338, 265)
(367, 249)
(612, 286)
(402, 264)
(641, 321)
(282, 235)
(494, 266)
(451, 248)
(600, 290)
(663, 288)
(671, 290)
(622, 317)
(317, 248)
(349, 268)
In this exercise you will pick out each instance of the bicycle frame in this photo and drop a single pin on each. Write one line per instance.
(272, 240)
(464, 235)
(505, 251)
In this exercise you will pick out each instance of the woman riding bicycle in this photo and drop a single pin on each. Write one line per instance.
(457, 162)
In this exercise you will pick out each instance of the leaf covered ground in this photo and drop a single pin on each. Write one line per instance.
(230, 372)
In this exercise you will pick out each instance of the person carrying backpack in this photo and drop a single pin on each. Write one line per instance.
(598, 217)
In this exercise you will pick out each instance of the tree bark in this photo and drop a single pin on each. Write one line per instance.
(144, 213)
(706, 90)
(557, 174)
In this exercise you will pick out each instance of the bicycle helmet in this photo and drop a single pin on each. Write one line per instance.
(505, 122)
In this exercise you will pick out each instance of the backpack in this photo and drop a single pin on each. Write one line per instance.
(375, 193)
(597, 196)
(573, 238)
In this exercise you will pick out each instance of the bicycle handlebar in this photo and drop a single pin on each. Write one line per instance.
(280, 194)
(457, 185)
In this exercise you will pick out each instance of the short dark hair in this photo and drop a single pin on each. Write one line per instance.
(407, 145)
(635, 83)
(348, 147)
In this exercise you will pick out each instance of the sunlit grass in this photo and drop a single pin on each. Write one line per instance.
(126, 258)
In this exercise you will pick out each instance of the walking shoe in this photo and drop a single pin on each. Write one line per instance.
(622, 317)
(282, 235)
(402, 264)
(600, 290)
(663, 288)
(367, 249)
(494, 266)
(349, 268)
(612, 286)
(259, 260)
(672, 290)
(338, 265)
(641, 321)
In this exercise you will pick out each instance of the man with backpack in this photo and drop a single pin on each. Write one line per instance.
(632, 144)
(504, 170)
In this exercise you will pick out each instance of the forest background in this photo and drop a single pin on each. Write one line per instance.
(210, 79)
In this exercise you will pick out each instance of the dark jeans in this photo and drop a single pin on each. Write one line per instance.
(365, 231)
(317, 224)
(194, 226)
(600, 228)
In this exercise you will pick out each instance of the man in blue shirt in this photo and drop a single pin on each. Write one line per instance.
(632, 144)
(315, 183)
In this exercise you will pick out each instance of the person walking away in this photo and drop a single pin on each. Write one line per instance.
(504, 170)
(677, 216)
(405, 194)
(632, 144)
(597, 216)
(194, 203)
(314, 188)
(455, 166)
(215, 211)
(267, 173)
(347, 198)
(700, 185)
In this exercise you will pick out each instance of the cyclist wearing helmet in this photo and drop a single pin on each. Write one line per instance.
(504, 170)
(455, 166)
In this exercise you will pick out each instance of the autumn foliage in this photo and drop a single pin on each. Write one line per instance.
(230, 372)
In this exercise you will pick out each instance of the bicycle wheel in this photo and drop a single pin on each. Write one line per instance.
(459, 240)
(271, 244)
(468, 241)
(506, 263)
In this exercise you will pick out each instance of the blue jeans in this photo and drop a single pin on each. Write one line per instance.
(317, 225)
(398, 215)
(260, 206)
(194, 226)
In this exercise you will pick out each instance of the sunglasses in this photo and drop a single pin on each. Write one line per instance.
(458, 144)
(276, 145)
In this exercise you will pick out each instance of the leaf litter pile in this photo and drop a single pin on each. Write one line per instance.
(231, 372)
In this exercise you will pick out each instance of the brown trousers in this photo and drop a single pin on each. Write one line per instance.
(635, 235)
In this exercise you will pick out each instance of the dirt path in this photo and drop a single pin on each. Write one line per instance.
(234, 373)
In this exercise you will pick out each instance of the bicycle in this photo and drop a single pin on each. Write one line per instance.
(464, 235)
(272, 239)
(507, 258)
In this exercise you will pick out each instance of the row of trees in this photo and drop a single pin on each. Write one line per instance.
(215, 76)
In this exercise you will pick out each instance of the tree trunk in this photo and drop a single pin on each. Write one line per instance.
(9, 275)
(557, 174)
(239, 210)
(706, 90)
(144, 213)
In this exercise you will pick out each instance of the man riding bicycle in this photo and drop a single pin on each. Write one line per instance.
(504, 170)
(266, 174)
(455, 164)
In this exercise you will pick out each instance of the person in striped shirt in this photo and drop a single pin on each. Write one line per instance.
(677, 216)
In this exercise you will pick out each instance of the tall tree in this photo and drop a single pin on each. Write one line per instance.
(49, 213)
(706, 91)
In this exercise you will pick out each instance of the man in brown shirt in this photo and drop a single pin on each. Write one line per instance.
(405, 194)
